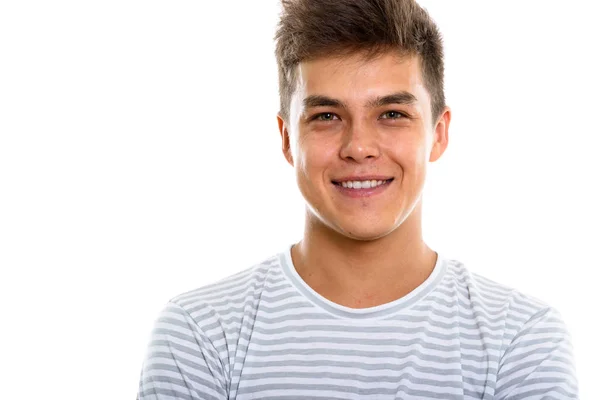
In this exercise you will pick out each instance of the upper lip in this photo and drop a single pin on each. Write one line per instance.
(363, 178)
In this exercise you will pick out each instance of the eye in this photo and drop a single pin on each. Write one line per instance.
(392, 115)
(325, 117)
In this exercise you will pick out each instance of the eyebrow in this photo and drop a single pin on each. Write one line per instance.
(316, 100)
(402, 97)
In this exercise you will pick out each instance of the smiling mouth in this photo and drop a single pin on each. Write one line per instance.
(383, 182)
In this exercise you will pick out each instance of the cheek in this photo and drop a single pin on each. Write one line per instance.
(411, 164)
(410, 153)
(316, 158)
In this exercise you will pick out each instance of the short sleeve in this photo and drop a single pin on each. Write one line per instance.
(538, 363)
(181, 363)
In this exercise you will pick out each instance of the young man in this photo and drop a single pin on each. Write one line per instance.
(361, 307)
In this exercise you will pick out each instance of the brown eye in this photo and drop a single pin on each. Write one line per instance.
(325, 117)
(392, 115)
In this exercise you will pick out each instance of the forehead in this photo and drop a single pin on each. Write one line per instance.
(355, 79)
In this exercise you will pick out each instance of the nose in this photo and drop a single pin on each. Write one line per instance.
(360, 141)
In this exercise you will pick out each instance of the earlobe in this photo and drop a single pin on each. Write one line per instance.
(285, 140)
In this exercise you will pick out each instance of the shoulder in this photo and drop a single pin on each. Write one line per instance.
(196, 334)
(534, 343)
(230, 296)
(495, 301)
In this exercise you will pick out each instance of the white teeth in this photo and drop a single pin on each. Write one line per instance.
(361, 184)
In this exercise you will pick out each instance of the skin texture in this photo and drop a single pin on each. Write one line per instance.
(362, 252)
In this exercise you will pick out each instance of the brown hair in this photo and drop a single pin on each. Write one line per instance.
(309, 29)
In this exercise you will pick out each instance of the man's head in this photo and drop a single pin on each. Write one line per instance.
(361, 88)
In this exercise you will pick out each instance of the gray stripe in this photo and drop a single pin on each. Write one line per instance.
(362, 391)
(349, 364)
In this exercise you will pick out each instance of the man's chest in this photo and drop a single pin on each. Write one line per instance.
(305, 361)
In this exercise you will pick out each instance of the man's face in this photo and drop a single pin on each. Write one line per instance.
(358, 120)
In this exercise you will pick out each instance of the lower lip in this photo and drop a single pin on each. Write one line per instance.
(366, 192)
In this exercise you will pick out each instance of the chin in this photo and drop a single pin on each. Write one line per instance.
(364, 233)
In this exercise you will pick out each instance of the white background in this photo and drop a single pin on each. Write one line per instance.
(140, 158)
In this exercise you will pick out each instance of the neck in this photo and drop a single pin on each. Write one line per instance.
(363, 273)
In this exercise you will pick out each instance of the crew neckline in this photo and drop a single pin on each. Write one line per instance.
(380, 311)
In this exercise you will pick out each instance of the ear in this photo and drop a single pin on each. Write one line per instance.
(285, 140)
(440, 135)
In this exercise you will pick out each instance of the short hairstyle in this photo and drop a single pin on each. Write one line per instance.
(309, 29)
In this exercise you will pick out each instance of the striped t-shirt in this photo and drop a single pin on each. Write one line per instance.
(263, 333)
